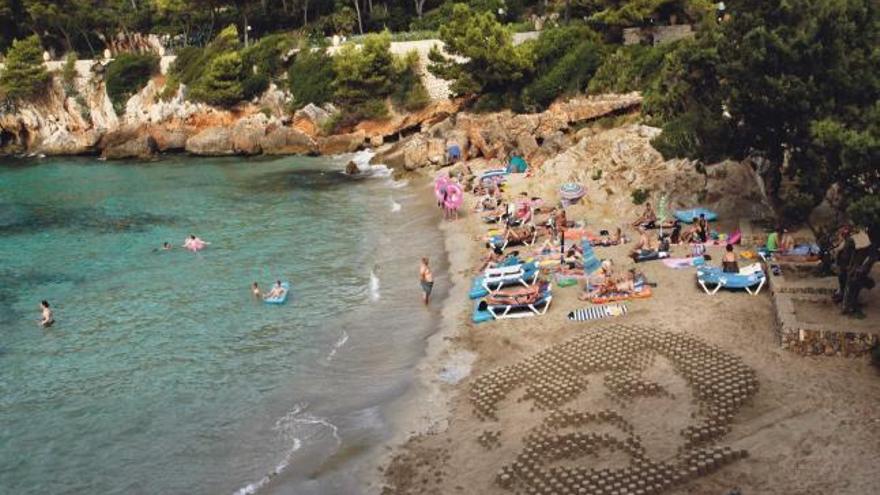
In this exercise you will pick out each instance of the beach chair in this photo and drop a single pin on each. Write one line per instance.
(494, 279)
(751, 278)
(505, 311)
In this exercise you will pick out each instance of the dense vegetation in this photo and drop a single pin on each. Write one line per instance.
(127, 74)
(24, 76)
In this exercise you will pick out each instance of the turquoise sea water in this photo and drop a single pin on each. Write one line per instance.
(162, 374)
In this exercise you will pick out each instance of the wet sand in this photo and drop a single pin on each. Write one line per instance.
(812, 425)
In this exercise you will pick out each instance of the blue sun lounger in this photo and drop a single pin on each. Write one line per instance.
(750, 278)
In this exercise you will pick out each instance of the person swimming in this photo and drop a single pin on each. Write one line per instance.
(194, 243)
(166, 246)
(48, 318)
(277, 291)
(255, 290)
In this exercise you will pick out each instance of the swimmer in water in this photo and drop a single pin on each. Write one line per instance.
(194, 243)
(277, 291)
(255, 290)
(166, 246)
(48, 319)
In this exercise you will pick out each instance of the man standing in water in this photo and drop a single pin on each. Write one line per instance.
(48, 318)
(426, 279)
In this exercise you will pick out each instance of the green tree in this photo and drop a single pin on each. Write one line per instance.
(564, 59)
(797, 81)
(483, 58)
(25, 77)
(222, 83)
(127, 74)
(311, 77)
(364, 76)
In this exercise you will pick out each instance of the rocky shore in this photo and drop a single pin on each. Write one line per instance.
(79, 119)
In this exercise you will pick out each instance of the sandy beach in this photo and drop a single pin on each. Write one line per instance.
(484, 414)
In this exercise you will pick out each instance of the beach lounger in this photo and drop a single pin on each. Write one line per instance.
(483, 311)
(497, 278)
(750, 278)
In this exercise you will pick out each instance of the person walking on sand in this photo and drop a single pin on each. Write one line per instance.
(47, 319)
(426, 279)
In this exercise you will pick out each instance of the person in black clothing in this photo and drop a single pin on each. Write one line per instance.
(844, 258)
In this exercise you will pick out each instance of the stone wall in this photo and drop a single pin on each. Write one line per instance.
(657, 35)
(837, 337)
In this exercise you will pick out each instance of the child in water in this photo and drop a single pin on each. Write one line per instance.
(255, 290)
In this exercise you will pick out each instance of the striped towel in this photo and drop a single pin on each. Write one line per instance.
(597, 312)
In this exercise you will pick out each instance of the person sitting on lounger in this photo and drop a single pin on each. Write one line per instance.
(495, 256)
(648, 218)
(786, 242)
(644, 243)
(728, 261)
(692, 233)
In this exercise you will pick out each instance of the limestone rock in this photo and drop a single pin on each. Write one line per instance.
(310, 119)
(287, 141)
(341, 143)
(247, 134)
(169, 138)
(128, 143)
(213, 141)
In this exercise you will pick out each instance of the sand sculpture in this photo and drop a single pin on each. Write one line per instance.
(557, 455)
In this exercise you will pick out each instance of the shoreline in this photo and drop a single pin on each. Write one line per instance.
(425, 407)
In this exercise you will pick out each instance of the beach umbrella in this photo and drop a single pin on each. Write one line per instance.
(571, 192)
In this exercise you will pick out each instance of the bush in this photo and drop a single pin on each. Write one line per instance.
(567, 75)
(254, 85)
(409, 92)
(364, 75)
(127, 74)
(640, 195)
(24, 77)
(266, 54)
(311, 77)
(221, 84)
(630, 68)
(68, 74)
(484, 59)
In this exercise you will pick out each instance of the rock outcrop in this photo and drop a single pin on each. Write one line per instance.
(127, 143)
(288, 141)
(213, 141)
(537, 137)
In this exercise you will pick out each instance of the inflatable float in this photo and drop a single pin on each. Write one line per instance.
(687, 216)
(279, 299)
(195, 245)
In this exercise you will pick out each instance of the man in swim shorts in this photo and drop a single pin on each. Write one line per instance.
(426, 279)
(48, 318)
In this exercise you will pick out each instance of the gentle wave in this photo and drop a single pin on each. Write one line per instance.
(374, 286)
(288, 426)
(339, 343)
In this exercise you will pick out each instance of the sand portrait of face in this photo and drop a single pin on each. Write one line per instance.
(620, 410)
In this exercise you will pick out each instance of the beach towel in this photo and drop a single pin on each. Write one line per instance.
(597, 312)
(640, 293)
(678, 263)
